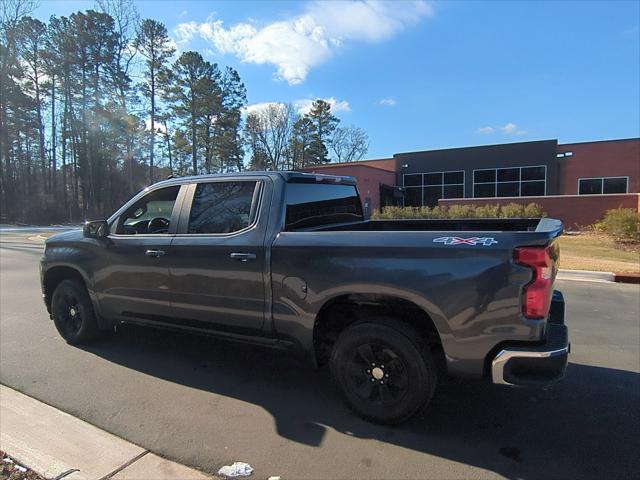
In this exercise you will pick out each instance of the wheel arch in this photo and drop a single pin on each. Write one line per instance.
(343, 310)
(56, 274)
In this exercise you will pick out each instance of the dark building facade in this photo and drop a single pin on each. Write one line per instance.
(509, 170)
(563, 178)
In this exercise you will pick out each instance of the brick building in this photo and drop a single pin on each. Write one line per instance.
(576, 182)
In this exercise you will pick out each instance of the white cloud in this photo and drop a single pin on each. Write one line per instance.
(258, 107)
(301, 106)
(304, 105)
(297, 45)
(388, 102)
(507, 129)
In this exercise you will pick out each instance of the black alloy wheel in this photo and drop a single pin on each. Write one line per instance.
(383, 370)
(73, 314)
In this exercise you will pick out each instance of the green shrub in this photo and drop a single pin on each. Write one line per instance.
(622, 223)
(461, 211)
(533, 210)
(487, 211)
(512, 210)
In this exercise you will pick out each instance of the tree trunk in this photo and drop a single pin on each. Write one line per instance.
(153, 121)
(43, 157)
(168, 140)
(54, 163)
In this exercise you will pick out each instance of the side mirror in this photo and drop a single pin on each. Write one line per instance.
(95, 229)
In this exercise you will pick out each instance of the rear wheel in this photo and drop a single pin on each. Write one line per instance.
(73, 314)
(384, 372)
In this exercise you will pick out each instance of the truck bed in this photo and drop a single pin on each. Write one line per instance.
(456, 225)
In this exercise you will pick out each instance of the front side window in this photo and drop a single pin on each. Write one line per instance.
(223, 207)
(600, 185)
(149, 215)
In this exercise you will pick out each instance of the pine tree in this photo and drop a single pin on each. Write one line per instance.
(154, 45)
(323, 125)
(191, 76)
(228, 126)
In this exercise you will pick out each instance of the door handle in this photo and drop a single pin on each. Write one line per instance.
(154, 253)
(243, 257)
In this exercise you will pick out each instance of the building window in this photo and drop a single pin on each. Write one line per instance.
(510, 182)
(427, 188)
(600, 185)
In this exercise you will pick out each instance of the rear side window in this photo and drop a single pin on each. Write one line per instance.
(317, 204)
(223, 207)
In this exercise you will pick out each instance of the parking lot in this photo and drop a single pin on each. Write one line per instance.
(207, 403)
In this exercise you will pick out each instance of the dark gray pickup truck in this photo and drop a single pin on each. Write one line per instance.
(287, 260)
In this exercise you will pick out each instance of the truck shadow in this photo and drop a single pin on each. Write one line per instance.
(584, 427)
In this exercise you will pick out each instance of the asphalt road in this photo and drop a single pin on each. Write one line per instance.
(206, 403)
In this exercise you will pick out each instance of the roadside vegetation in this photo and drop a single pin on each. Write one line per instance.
(599, 252)
(623, 224)
(10, 469)
(511, 210)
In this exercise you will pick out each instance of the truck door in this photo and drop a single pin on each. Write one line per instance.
(218, 268)
(136, 285)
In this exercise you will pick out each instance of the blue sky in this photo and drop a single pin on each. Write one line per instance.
(423, 75)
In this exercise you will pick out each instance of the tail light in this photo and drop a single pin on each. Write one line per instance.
(536, 296)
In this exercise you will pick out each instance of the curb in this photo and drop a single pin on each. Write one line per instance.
(586, 276)
(593, 276)
(627, 277)
(57, 445)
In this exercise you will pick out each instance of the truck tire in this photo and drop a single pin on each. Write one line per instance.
(383, 370)
(73, 314)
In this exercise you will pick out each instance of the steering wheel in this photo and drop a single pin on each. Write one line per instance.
(158, 225)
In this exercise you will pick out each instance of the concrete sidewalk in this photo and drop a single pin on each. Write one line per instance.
(58, 445)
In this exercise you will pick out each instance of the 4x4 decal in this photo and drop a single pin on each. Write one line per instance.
(484, 241)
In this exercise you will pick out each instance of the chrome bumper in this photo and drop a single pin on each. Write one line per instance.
(538, 364)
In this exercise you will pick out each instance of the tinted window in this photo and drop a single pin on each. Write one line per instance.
(432, 195)
(413, 180)
(484, 190)
(533, 173)
(532, 189)
(413, 197)
(615, 185)
(453, 177)
(222, 207)
(453, 191)
(151, 214)
(316, 204)
(590, 186)
(484, 176)
(433, 178)
(510, 189)
(508, 174)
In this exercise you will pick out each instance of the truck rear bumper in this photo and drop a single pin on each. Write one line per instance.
(539, 364)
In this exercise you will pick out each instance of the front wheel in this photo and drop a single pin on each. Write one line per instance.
(73, 314)
(384, 374)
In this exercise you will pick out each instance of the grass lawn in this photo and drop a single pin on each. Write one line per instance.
(598, 252)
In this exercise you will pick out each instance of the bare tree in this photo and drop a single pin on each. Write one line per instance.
(349, 143)
(11, 11)
(268, 133)
(126, 22)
